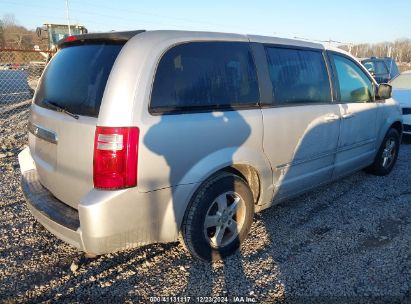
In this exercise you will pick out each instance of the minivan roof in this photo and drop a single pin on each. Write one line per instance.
(126, 35)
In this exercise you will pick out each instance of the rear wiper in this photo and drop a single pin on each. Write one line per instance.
(60, 108)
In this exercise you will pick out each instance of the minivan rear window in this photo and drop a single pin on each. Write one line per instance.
(205, 75)
(76, 77)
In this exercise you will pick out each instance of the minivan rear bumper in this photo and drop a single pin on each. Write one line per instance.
(57, 217)
(105, 221)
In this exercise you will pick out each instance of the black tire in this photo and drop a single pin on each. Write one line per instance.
(379, 166)
(197, 238)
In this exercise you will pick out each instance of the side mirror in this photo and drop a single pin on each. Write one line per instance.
(384, 91)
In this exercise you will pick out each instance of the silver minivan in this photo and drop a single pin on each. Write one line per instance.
(143, 137)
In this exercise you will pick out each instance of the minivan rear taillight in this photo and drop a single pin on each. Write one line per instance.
(115, 157)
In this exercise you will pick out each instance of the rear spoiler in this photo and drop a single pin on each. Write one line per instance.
(98, 37)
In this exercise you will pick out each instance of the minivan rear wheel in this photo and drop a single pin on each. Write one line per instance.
(219, 217)
(387, 154)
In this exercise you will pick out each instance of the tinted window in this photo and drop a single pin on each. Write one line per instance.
(392, 67)
(354, 84)
(204, 75)
(76, 77)
(298, 76)
(378, 67)
(368, 65)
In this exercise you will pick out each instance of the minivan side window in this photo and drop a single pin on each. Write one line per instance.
(205, 75)
(298, 76)
(354, 84)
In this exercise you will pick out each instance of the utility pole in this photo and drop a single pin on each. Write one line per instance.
(389, 51)
(68, 17)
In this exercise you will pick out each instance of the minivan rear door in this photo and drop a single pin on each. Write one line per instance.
(64, 116)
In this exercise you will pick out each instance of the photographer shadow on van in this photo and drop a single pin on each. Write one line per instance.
(190, 146)
(200, 133)
(219, 215)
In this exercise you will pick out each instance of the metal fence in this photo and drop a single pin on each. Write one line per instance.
(20, 71)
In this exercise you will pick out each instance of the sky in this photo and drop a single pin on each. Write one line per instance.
(346, 21)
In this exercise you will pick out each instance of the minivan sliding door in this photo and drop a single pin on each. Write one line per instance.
(301, 126)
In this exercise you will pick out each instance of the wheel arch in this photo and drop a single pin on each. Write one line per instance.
(398, 126)
(246, 171)
(389, 124)
(249, 174)
(248, 163)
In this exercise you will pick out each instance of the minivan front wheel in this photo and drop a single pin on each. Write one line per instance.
(219, 217)
(387, 154)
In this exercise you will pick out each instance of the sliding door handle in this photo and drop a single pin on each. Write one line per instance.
(331, 117)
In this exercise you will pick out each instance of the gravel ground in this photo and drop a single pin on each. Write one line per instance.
(349, 241)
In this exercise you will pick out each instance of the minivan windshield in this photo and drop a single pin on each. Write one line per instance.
(76, 77)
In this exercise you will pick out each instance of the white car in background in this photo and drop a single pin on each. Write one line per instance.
(401, 92)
